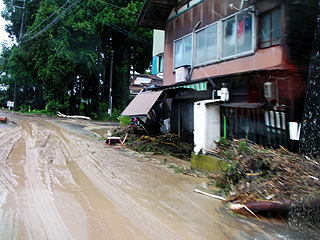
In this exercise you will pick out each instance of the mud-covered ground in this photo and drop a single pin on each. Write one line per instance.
(59, 181)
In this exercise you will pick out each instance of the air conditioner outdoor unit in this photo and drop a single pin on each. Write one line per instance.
(181, 74)
(269, 92)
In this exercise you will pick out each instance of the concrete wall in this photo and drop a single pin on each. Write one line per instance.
(207, 163)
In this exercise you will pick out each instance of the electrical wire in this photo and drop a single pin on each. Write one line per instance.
(28, 33)
(115, 6)
(53, 22)
(58, 18)
(115, 27)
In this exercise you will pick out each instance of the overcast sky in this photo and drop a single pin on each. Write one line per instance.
(3, 33)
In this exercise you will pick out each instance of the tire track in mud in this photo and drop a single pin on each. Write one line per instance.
(105, 180)
(28, 209)
(117, 176)
(36, 173)
(59, 165)
(82, 166)
(61, 185)
(8, 225)
(29, 202)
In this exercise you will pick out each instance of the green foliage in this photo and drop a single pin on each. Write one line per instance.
(115, 114)
(243, 149)
(94, 115)
(178, 169)
(124, 120)
(81, 107)
(70, 60)
(52, 107)
(229, 177)
(103, 111)
(24, 108)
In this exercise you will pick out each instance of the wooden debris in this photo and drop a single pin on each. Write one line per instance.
(255, 173)
(73, 116)
(210, 195)
(239, 207)
(168, 144)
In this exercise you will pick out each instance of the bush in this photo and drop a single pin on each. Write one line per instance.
(124, 120)
(52, 107)
(24, 108)
(116, 114)
(94, 115)
(103, 111)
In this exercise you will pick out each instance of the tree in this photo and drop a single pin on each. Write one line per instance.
(65, 52)
(310, 132)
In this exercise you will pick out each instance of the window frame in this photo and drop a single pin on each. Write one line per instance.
(160, 64)
(174, 51)
(250, 10)
(253, 37)
(205, 62)
(272, 41)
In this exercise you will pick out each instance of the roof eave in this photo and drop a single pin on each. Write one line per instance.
(155, 13)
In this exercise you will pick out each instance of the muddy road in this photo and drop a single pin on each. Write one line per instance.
(59, 181)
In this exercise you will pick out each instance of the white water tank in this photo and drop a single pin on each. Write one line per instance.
(206, 124)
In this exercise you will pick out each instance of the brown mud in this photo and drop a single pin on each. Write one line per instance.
(59, 181)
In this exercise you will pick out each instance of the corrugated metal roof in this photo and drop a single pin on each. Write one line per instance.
(141, 104)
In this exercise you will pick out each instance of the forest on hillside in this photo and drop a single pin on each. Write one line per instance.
(64, 54)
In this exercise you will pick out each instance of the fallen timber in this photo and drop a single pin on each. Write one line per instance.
(271, 183)
(73, 116)
(264, 209)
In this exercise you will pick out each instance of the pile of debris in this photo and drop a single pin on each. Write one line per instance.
(256, 173)
(271, 183)
(137, 139)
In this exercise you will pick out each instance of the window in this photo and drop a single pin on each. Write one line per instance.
(206, 49)
(244, 32)
(160, 63)
(228, 38)
(237, 34)
(271, 28)
(157, 64)
(183, 49)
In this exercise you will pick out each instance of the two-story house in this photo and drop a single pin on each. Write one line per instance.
(236, 65)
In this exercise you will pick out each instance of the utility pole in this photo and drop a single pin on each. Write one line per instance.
(19, 42)
(22, 20)
(110, 87)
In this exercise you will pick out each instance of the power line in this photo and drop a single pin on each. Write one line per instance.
(25, 35)
(115, 27)
(53, 22)
(112, 5)
(58, 18)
